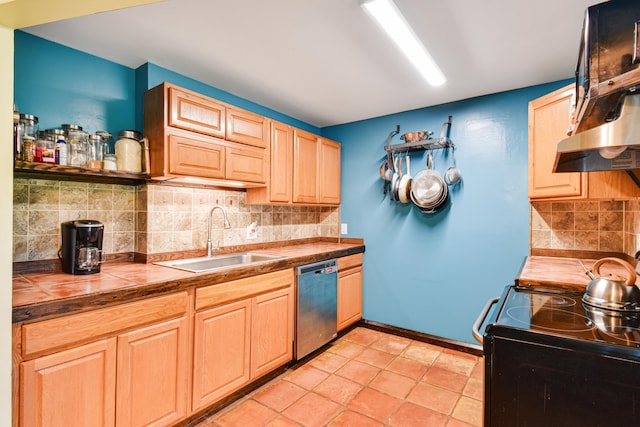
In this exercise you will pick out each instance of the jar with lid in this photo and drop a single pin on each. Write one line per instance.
(108, 150)
(29, 125)
(59, 139)
(94, 152)
(45, 149)
(77, 147)
(129, 152)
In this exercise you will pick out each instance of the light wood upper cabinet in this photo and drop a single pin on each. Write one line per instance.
(329, 172)
(349, 290)
(306, 153)
(191, 135)
(548, 124)
(71, 388)
(246, 127)
(191, 111)
(281, 174)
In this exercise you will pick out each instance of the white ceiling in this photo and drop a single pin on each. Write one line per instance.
(324, 61)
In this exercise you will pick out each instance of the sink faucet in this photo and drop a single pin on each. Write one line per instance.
(226, 225)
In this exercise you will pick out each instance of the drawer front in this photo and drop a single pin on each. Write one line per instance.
(349, 261)
(246, 128)
(64, 331)
(196, 157)
(222, 293)
(190, 111)
(246, 164)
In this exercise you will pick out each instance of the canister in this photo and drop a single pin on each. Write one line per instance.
(77, 147)
(94, 152)
(59, 139)
(129, 152)
(29, 125)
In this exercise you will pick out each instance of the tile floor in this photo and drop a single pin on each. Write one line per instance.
(367, 378)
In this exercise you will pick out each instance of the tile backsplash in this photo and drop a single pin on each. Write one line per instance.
(152, 218)
(607, 226)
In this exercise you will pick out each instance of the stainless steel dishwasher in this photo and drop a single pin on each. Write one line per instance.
(316, 306)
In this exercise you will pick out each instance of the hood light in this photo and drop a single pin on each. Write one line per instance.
(387, 15)
(611, 152)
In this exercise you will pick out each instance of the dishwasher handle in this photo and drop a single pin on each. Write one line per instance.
(475, 330)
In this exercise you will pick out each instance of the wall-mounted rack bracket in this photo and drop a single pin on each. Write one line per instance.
(425, 144)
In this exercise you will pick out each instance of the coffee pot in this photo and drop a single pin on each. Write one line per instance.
(81, 250)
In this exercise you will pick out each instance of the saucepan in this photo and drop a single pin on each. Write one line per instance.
(612, 293)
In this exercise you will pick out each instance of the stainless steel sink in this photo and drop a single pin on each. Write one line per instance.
(198, 265)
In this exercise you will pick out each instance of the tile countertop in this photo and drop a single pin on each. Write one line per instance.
(565, 273)
(39, 295)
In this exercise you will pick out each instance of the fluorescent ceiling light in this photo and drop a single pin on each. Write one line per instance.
(387, 15)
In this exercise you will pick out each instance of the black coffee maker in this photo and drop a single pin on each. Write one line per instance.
(81, 250)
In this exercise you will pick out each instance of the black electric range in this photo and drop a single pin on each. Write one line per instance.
(551, 360)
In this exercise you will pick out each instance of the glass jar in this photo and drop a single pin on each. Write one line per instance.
(108, 150)
(28, 148)
(45, 149)
(60, 140)
(29, 125)
(129, 152)
(94, 152)
(77, 141)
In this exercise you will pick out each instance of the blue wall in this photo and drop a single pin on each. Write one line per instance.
(63, 85)
(434, 273)
(429, 273)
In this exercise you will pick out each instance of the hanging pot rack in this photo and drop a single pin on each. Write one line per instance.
(427, 143)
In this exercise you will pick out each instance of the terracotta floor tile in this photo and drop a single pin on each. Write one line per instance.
(411, 415)
(375, 357)
(364, 336)
(354, 419)
(248, 414)
(374, 404)
(457, 423)
(391, 344)
(306, 376)
(283, 421)
(312, 410)
(346, 349)
(422, 354)
(474, 389)
(447, 379)
(469, 410)
(338, 389)
(393, 384)
(359, 372)
(455, 363)
(407, 367)
(329, 362)
(279, 395)
(433, 397)
(478, 370)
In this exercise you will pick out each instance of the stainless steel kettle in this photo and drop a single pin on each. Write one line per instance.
(611, 293)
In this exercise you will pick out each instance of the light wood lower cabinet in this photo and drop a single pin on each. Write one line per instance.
(349, 290)
(246, 333)
(75, 387)
(135, 376)
(152, 375)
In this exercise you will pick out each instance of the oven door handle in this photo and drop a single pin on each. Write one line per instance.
(480, 320)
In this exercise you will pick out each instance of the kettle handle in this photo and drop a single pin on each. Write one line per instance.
(631, 278)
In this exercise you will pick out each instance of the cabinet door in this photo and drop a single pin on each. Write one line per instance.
(548, 123)
(246, 127)
(190, 111)
(349, 296)
(329, 172)
(306, 153)
(246, 164)
(152, 375)
(74, 387)
(194, 156)
(272, 331)
(221, 352)
(280, 181)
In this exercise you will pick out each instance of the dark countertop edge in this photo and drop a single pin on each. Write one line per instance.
(78, 304)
